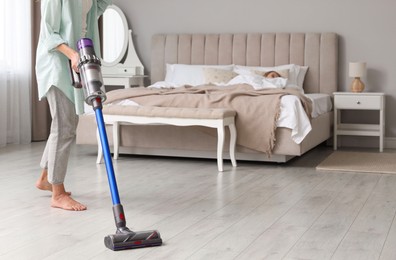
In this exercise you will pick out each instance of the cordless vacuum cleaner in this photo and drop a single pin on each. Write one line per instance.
(90, 79)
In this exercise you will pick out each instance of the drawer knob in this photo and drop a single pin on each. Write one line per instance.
(358, 102)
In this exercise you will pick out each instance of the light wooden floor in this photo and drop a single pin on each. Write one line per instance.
(256, 211)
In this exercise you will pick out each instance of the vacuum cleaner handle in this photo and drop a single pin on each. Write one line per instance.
(75, 77)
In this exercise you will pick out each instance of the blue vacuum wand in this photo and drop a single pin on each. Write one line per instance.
(91, 80)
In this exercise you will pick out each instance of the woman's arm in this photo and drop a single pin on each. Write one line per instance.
(51, 11)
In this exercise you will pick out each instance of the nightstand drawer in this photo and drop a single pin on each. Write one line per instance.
(357, 102)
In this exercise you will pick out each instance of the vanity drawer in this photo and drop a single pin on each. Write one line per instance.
(358, 102)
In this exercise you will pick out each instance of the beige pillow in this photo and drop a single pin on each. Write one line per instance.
(282, 73)
(218, 76)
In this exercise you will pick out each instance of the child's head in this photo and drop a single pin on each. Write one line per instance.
(272, 74)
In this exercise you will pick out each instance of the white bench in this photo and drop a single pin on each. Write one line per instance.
(215, 118)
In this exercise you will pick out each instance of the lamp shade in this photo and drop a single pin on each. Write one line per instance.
(357, 69)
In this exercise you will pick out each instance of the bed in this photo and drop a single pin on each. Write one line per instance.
(316, 52)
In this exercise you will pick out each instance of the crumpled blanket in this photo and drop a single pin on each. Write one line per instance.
(257, 110)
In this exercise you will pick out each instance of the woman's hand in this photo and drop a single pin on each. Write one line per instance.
(71, 54)
(75, 58)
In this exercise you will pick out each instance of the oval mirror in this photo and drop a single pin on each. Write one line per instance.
(115, 35)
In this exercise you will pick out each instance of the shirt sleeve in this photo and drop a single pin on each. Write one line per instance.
(51, 11)
(102, 5)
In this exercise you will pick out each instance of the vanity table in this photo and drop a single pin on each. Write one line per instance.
(125, 81)
(120, 64)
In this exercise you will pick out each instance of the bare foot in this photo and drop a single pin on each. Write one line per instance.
(60, 199)
(64, 201)
(43, 184)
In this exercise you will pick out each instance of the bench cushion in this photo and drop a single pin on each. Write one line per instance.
(171, 112)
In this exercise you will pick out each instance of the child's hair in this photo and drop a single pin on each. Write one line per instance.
(271, 71)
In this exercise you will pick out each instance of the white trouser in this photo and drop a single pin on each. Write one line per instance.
(61, 138)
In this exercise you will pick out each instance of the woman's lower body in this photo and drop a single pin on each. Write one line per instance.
(57, 150)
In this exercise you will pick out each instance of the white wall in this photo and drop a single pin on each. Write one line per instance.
(366, 28)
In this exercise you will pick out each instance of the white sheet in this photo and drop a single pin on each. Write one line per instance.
(259, 82)
(321, 103)
(293, 116)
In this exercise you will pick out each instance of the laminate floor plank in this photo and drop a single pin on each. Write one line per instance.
(278, 239)
(366, 236)
(219, 220)
(240, 235)
(324, 236)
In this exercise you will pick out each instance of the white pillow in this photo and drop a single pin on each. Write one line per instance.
(301, 75)
(184, 74)
(296, 73)
(218, 76)
(163, 84)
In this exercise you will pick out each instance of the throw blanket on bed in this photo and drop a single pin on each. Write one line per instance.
(257, 110)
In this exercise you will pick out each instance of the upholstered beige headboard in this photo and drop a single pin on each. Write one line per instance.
(318, 51)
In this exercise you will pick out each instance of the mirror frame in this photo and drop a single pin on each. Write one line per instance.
(126, 38)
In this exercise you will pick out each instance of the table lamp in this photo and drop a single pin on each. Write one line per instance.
(357, 70)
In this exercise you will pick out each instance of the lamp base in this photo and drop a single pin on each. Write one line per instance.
(357, 85)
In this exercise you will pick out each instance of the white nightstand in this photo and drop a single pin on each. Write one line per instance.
(359, 101)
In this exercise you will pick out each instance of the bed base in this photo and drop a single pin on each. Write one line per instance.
(259, 157)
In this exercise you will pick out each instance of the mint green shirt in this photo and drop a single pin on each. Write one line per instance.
(61, 22)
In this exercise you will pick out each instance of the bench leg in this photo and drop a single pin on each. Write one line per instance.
(100, 151)
(233, 136)
(116, 139)
(220, 145)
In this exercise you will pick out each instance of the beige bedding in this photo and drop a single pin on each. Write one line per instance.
(257, 110)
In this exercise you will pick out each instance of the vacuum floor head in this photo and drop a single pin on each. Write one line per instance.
(131, 240)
